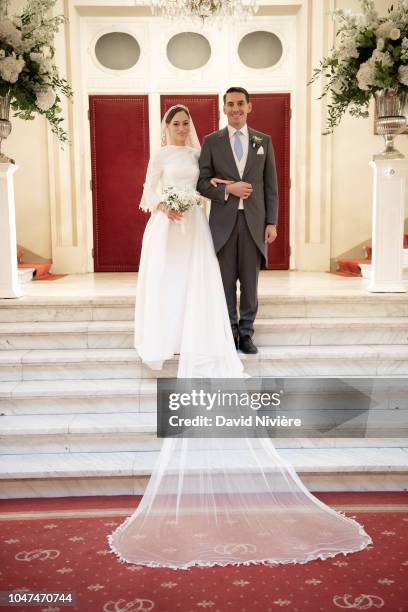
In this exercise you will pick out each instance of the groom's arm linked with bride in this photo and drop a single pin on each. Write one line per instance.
(244, 209)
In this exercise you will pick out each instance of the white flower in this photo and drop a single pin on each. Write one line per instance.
(404, 49)
(339, 85)
(46, 65)
(45, 99)
(370, 13)
(9, 33)
(403, 75)
(10, 68)
(36, 57)
(365, 75)
(380, 44)
(395, 34)
(347, 48)
(384, 29)
(384, 58)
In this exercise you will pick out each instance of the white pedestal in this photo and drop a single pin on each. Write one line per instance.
(388, 225)
(9, 285)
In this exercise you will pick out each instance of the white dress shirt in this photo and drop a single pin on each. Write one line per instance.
(245, 145)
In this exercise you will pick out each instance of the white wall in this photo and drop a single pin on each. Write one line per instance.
(27, 145)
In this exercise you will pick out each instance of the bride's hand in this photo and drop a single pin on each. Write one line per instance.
(171, 214)
(216, 181)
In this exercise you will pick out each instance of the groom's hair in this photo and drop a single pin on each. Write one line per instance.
(236, 90)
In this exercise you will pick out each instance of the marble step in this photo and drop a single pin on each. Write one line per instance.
(125, 432)
(66, 433)
(125, 473)
(121, 308)
(76, 382)
(282, 331)
(57, 366)
(55, 397)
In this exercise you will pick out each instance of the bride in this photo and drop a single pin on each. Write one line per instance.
(211, 501)
(179, 281)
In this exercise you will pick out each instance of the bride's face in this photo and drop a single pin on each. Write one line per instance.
(179, 128)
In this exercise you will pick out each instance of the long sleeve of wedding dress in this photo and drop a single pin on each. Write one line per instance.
(151, 189)
(211, 501)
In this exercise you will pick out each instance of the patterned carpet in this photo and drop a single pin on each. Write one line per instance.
(60, 545)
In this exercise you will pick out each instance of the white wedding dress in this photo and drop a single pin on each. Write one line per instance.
(210, 501)
(180, 303)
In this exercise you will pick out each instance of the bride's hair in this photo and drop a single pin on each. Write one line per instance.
(174, 111)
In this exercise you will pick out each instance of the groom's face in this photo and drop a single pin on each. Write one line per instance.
(237, 108)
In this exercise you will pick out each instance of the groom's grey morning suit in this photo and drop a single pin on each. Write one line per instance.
(238, 227)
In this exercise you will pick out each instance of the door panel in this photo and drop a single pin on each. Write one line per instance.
(271, 115)
(119, 127)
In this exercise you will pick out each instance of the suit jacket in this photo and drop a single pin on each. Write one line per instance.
(261, 208)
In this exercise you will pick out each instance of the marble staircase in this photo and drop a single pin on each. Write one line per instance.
(78, 408)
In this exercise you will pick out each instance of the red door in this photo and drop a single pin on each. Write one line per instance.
(120, 153)
(271, 115)
(203, 109)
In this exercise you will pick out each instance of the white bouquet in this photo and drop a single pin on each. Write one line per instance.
(180, 199)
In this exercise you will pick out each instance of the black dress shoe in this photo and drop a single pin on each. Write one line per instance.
(247, 346)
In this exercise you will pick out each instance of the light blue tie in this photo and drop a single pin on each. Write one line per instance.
(238, 148)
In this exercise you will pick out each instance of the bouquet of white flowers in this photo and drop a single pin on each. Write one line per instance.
(28, 75)
(371, 55)
(180, 199)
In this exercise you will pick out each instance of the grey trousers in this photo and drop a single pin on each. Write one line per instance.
(240, 259)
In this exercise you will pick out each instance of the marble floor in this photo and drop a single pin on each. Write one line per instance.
(276, 282)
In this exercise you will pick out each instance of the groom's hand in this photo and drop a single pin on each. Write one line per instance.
(270, 233)
(240, 189)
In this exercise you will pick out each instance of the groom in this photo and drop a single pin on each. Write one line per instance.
(244, 209)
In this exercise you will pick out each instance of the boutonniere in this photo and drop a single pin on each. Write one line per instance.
(255, 141)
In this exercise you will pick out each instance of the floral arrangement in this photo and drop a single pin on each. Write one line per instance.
(27, 70)
(371, 55)
(180, 199)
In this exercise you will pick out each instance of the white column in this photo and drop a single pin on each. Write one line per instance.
(388, 225)
(9, 286)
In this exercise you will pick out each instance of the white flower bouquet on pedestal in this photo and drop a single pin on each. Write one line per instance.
(371, 56)
(29, 79)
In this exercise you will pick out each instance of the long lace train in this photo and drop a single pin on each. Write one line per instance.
(230, 501)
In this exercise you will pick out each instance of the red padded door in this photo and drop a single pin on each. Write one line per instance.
(271, 114)
(120, 153)
(203, 109)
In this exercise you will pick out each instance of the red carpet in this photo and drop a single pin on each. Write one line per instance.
(351, 267)
(42, 270)
(60, 545)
